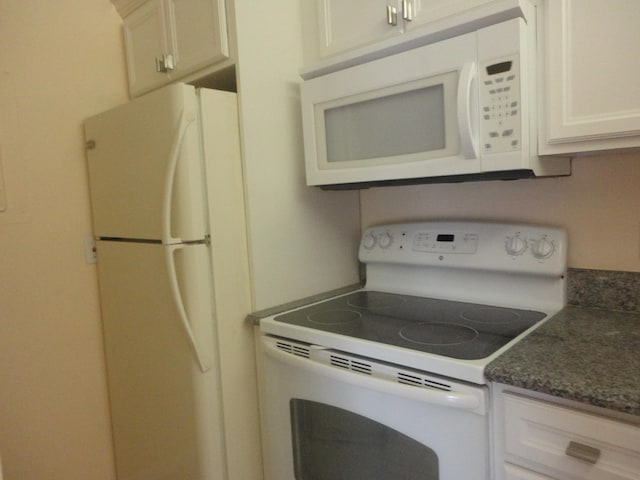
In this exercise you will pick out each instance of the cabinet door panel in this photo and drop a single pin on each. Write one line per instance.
(200, 33)
(347, 25)
(426, 11)
(591, 72)
(145, 37)
(511, 472)
(569, 443)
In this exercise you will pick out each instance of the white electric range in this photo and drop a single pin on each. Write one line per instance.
(407, 352)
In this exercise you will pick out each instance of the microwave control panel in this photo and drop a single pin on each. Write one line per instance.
(500, 105)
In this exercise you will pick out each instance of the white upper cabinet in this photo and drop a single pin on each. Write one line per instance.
(200, 32)
(147, 43)
(165, 40)
(422, 12)
(590, 98)
(344, 25)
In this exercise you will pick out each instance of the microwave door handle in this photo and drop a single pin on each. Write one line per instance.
(451, 399)
(468, 135)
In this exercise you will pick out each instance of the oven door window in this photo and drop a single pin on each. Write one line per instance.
(330, 443)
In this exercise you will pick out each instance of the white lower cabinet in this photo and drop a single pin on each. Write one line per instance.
(511, 472)
(539, 440)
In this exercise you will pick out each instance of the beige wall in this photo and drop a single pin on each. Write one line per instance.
(60, 61)
(599, 205)
(293, 229)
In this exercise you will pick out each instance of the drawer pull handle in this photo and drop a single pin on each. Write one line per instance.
(583, 452)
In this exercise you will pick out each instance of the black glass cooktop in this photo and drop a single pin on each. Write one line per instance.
(460, 330)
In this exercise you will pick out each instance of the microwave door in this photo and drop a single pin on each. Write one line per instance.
(421, 128)
(413, 120)
(411, 115)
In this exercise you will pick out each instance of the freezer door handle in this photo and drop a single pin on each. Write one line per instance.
(186, 120)
(204, 360)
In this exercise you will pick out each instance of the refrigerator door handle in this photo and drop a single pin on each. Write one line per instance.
(204, 361)
(185, 121)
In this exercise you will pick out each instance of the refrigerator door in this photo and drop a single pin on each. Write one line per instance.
(163, 374)
(146, 169)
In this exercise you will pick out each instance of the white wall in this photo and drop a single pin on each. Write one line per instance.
(60, 62)
(599, 205)
(297, 234)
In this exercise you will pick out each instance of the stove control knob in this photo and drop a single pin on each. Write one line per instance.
(543, 248)
(515, 245)
(369, 241)
(385, 240)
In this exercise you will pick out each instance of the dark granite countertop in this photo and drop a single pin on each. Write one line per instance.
(590, 355)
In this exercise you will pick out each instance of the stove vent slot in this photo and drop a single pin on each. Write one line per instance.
(420, 381)
(297, 350)
(349, 364)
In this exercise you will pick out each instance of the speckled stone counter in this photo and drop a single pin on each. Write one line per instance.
(584, 354)
(588, 353)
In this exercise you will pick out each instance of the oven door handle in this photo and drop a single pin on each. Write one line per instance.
(452, 399)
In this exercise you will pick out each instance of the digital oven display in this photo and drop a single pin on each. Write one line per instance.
(445, 237)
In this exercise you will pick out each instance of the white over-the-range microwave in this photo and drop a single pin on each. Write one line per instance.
(459, 109)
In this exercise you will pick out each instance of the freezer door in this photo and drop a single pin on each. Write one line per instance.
(146, 169)
(164, 393)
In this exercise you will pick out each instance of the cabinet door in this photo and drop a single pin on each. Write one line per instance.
(346, 25)
(427, 11)
(200, 32)
(592, 99)
(146, 39)
(567, 443)
(511, 472)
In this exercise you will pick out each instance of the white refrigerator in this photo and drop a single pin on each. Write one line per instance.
(152, 170)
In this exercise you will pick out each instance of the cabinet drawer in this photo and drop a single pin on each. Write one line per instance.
(567, 443)
(511, 472)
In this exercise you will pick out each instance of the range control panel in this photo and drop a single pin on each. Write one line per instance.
(472, 245)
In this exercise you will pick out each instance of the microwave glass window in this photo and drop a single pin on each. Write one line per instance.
(391, 125)
(330, 443)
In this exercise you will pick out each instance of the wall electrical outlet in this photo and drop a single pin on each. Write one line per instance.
(90, 252)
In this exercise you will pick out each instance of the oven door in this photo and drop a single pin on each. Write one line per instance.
(329, 415)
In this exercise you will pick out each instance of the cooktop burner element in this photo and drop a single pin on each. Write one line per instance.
(376, 300)
(334, 317)
(490, 315)
(452, 329)
(438, 333)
